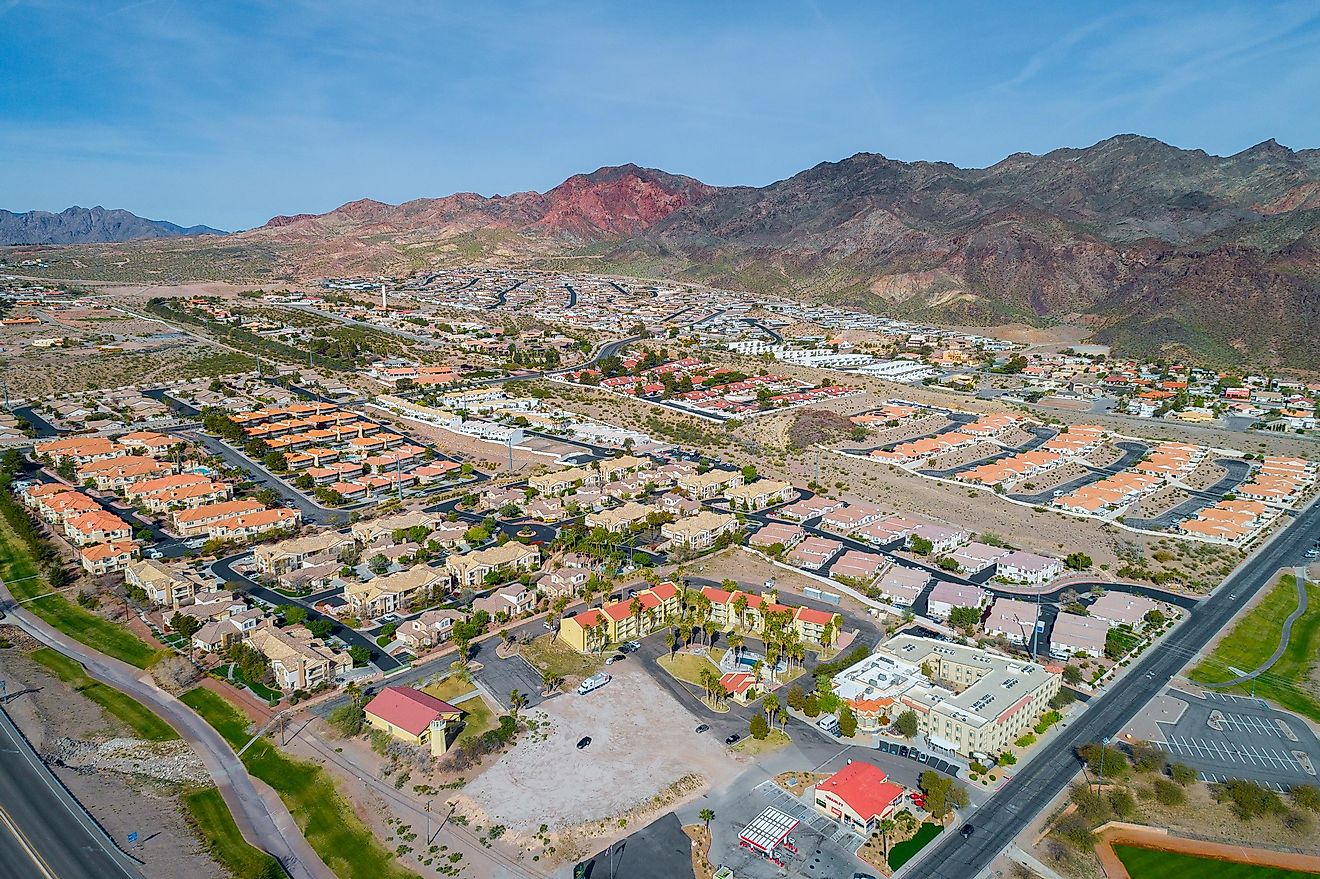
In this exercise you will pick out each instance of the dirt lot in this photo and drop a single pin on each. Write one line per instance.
(965, 455)
(1153, 504)
(58, 720)
(1206, 473)
(1049, 479)
(548, 780)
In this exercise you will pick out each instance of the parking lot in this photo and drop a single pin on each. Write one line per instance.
(932, 761)
(1224, 736)
(824, 848)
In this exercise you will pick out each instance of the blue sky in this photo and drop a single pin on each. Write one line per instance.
(229, 112)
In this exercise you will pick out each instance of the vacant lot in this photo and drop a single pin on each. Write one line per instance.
(1253, 639)
(642, 741)
(1148, 863)
(548, 654)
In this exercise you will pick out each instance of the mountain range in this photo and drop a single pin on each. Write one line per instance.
(96, 225)
(1160, 251)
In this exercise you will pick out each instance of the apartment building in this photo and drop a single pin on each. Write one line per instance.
(1076, 635)
(1012, 619)
(163, 588)
(298, 661)
(197, 521)
(945, 596)
(507, 602)
(96, 526)
(274, 559)
(591, 630)
(107, 558)
(746, 611)
(391, 593)
(708, 485)
(432, 627)
(700, 531)
(1028, 567)
(902, 586)
(974, 701)
(471, 569)
(618, 520)
(759, 494)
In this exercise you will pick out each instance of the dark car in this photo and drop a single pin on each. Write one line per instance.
(913, 753)
(583, 742)
(702, 727)
(731, 739)
(902, 750)
(967, 830)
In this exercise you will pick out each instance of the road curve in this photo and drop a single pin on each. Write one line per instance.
(1284, 637)
(260, 814)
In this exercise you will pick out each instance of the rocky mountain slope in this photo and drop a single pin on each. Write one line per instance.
(96, 225)
(1162, 251)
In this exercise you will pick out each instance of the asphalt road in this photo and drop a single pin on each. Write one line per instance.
(43, 830)
(263, 819)
(1054, 767)
(224, 569)
(312, 513)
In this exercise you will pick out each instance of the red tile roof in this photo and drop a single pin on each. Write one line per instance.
(408, 709)
(864, 788)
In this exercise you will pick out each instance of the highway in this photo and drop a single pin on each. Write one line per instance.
(44, 832)
(1049, 771)
(261, 816)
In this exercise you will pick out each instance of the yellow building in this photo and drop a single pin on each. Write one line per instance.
(592, 630)
(412, 716)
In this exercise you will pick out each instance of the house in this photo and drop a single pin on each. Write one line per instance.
(850, 517)
(759, 494)
(617, 520)
(1075, 635)
(740, 686)
(472, 568)
(568, 578)
(1123, 609)
(107, 558)
(809, 508)
(160, 584)
(858, 796)
(975, 557)
(253, 524)
(857, 565)
(426, 631)
(217, 634)
(370, 530)
(1013, 619)
(81, 450)
(781, 533)
(297, 660)
(700, 531)
(412, 716)
(902, 586)
(712, 483)
(507, 602)
(1027, 567)
(941, 539)
(274, 559)
(945, 596)
(194, 522)
(96, 526)
(812, 552)
(392, 592)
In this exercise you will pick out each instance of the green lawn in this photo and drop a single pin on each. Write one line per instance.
(211, 818)
(326, 818)
(1253, 640)
(1148, 863)
(133, 714)
(755, 747)
(688, 667)
(450, 688)
(905, 851)
(477, 719)
(18, 569)
(548, 653)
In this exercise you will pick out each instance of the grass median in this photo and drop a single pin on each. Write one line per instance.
(1149, 863)
(212, 820)
(1252, 641)
(346, 845)
(19, 571)
(144, 723)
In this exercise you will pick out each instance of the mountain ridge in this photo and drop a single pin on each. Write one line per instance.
(95, 225)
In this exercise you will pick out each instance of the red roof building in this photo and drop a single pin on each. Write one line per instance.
(859, 795)
(407, 713)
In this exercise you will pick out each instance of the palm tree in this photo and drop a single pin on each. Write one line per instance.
(517, 701)
(735, 644)
(887, 827)
(707, 816)
(670, 642)
(770, 705)
(635, 611)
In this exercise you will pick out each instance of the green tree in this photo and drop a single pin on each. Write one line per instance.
(346, 720)
(759, 728)
(847, 721)
(1072, 674)
(1104, 759)
(293, 614)
(706, 816)
(811, 705)
(965, 618)
(920, 545)
(359, 654)
(320, 628)
(185, 625)
(796, 697)
(1077, 561)
(1183, 774)
(906, 723)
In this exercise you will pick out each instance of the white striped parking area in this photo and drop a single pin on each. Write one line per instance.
(1232, 753)
(1251, 723)
(1212, 696)
(1217, 778)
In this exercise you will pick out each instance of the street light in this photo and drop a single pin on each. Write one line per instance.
(1104, 744)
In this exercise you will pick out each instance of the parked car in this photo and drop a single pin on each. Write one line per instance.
(703, 727)
(732, 739)
(902, 750)
(967, 830)
(618, 657)
(923, 757)
(583, 742)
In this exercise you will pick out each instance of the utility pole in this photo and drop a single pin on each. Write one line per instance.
(1035, 628)
(398, 474)
(1104, 744)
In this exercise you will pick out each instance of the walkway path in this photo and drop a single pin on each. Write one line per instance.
(260, 814)
(1299, 574)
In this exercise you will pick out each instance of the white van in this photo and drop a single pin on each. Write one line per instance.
(829, 723)
(595, 682)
